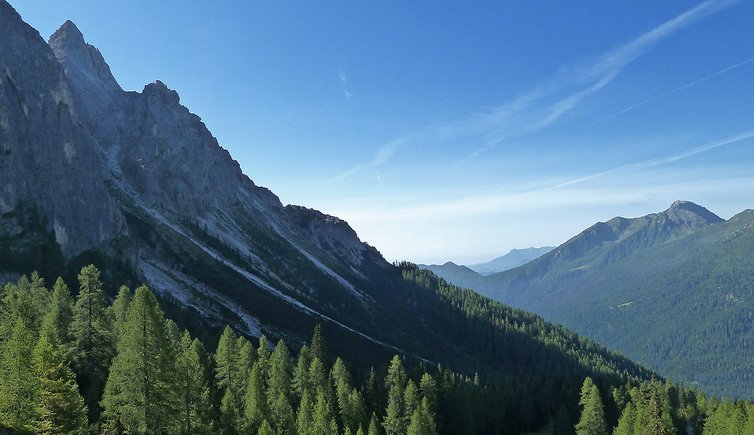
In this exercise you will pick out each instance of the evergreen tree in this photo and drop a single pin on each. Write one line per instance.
(300, 380)
(422, 420)
(305, 418)
(323, 420)
(256, 410)
(279, 376)
(119, 309)
(281, 414)
(371, 392)
(396, 375)
(627, 421)
(410, 401)
(228, 377)
(19, 386)
(394, 423)
(246, 357)
(592, 421)
(92, 346)
(61, 312)
(395, 382)
(139, 395)
(265, 429)
(428, 389)
(192, 388)
(653, 411)
(374, 426)
(59, 408)
(318, 346)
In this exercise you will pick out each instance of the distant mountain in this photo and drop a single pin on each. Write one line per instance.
(514, 258)
(674, 290)
(461, 276)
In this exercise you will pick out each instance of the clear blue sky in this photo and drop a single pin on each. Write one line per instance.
(455, 130)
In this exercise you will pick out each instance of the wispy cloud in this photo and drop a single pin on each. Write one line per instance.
(344, 85)
(664, 160)
(598, 73)
(545, 103)
(676, 90)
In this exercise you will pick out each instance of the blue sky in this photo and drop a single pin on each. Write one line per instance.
(455, 130)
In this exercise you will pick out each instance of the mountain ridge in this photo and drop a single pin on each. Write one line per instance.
(629, 282)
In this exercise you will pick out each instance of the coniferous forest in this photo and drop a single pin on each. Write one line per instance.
(82, 364)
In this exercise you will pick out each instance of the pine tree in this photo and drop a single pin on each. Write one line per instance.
(422, 420)
(374, 426)
(411, 401)
(279, 376)
(59, 407)
(300, 381)
(119, 309)
(139, 395)
(653, 411)
(371, 392)
(228, 377)
(192, 388)
(394, 423)
(265, 429)
(18, 382)
(256, 410)
(395, 383)
(592, 421)
(281, 414)
(92, 345)
(61, 312)
(318, 346)
(247, 355)
(305, 418)
(627, 421)
(428, 389)
(323, 420)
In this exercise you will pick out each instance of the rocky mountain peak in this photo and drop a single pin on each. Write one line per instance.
(84, 67)
(159, 91)
(687, 211)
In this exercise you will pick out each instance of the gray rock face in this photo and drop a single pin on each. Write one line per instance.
(138, 175)
(47, 158)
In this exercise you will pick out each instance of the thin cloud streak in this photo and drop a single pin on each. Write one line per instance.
(598, 73)
(344, 85)
(604, 70)
(676, 90)
(665, 160)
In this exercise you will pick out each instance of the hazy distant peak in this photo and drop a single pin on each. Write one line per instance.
(688, 211)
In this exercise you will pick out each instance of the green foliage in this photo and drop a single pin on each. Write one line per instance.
(422, 420)
(192, 388)
(59, 407)
(140, 394)
(92, 344)
(592, 421)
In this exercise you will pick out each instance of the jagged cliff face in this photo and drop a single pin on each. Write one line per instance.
(48, 159)
(138, 176)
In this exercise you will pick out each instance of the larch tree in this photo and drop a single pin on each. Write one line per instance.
(59, 406)
(192, 387)
(92, 345)
(422, 420)
(228, 378)
(140, 395)
(61, 312)
(592, 421)
(256, 410)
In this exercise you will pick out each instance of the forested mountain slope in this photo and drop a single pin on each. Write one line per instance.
(674, 290)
